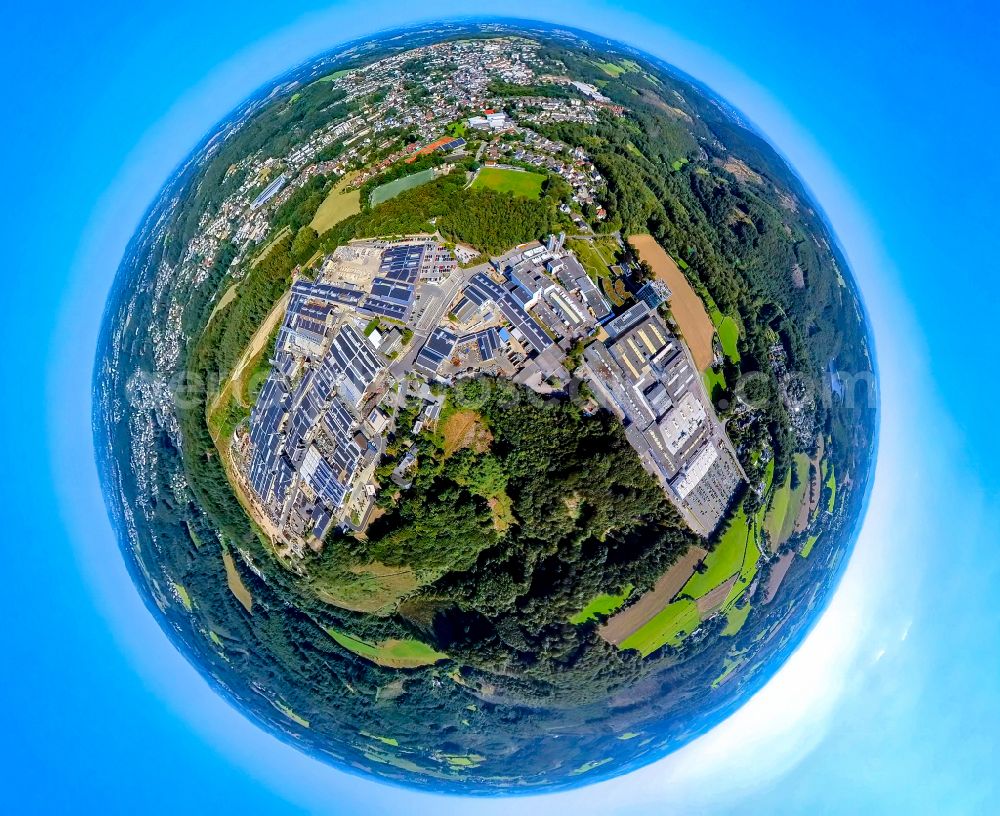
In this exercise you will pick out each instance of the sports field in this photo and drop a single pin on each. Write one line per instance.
(519, 182)
(391, 189)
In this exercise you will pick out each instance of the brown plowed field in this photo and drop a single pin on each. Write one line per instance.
(778, 575)
(685, 305)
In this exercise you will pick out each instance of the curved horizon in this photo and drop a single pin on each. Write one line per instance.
(133, 263)
(901, 344)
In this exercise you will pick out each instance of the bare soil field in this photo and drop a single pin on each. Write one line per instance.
(649, 605)
(778, 575)
(741, 170)
(236, 585)
(687, 308)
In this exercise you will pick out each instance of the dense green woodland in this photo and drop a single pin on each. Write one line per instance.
(587, 516)
(490, 221)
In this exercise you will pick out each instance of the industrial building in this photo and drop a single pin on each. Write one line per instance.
(643, 374)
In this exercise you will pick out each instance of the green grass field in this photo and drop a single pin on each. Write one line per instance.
(334, 75)
(714, 312)
(729, 665)
(390, 741)
(808, 546)
(519, 182)
(589, 766)
(603, 604)
(464, 760)
(184, 596)
(831, 482)
(724, 561)
(671, 625)
(611, 69)
(735, 618)
(287, 711)
(748, 569)
(737, 553)
(727, 328)
(338, 205)
(395, 654)
(769, 475)
(713, 378)
(729, 334)
(785, 502)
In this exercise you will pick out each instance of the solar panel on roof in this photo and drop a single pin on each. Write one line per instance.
(441, 341)
(488, 342)
(385, 309)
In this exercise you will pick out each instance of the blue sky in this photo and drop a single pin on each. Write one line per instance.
(888, 111)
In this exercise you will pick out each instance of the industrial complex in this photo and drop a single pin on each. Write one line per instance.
(386, 319)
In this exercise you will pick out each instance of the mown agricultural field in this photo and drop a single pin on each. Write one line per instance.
(340, 203)
(724, 561)
(670, 626)
(785, 502)
(396, 654)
